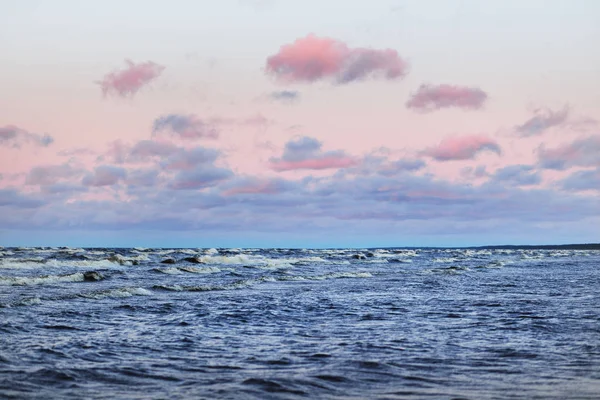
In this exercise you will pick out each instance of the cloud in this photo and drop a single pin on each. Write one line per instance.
(117, 152)
(253, 186)
(15, 137)
(474, 173)
(201, 177)
(462, 148)
(50, 174)
(142, 177)
(517, 175)
(104, 175)
(383, 166)
(313, 58)
(145, 149)
(285, 96)
(64, 190)
(185, 126)
(583, 180)
(434, 97)
(403, 165)
(128, 81)
(582, 152)
(305, 153)
(543, 120)
(11, 197)
(185, 159)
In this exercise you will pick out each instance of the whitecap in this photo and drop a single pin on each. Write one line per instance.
(40, 280)
(117, 293)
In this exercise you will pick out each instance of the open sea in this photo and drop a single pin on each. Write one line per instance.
(299, 324)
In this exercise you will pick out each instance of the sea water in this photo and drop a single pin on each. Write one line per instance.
(289, 323)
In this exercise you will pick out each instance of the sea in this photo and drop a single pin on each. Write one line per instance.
(393, 323)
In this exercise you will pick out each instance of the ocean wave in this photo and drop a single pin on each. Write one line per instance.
(200, 270)
(169, 271)
(334, 275)
(192, 270)
(446, 259)
(454, 270)
(493, 264)
(117, 293)
(40, 280)
(241, 284)
(128, 261)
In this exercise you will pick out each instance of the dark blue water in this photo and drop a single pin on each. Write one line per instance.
(271, 324)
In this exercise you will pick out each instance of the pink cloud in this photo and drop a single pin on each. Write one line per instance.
(312, 58)
(462, 148)
(128, 81)
(434, 97)
(318, 164)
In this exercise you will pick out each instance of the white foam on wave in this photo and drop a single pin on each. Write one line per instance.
(337, 275)
(72, 250)
(454, 270)
(40, 280)
(12, 263)
(492, 264)
(83, 264)
(124, 260)
(209, 288)
(445, 260)
(334, 275)
(200, 270)
(117, 293)
(308, 260)
(32, 301)
(166, 252)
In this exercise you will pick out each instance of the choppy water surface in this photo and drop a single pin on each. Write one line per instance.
(244, 323)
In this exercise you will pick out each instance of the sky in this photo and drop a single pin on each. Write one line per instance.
(281, 123)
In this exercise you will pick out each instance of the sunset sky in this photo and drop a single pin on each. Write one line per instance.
(283, 123)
